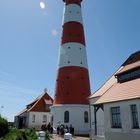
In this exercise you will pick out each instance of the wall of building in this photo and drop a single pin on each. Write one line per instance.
(38, 119)
(126, 132)
(25, 120)
(100, 121)
(76, 117)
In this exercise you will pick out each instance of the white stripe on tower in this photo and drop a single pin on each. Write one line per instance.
(72, 12)
(72, 54)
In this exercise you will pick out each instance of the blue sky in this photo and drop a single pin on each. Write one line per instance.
(30, 38)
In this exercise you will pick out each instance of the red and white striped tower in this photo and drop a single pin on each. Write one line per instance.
(72, 82)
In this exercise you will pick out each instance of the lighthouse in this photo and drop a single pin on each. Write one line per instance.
(72, 86)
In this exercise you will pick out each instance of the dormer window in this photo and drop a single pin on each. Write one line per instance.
(28, 106)
(47, 106)
(129, 75)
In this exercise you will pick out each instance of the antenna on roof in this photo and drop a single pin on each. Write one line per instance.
(45, 90)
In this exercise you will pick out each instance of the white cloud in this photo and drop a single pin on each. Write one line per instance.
(54, 32)
(42, 5)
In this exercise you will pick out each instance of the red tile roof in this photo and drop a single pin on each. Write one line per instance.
(121, 91)
(129, 67)
(132, 59)
(112, 91)
(39, 104)
(23, 111)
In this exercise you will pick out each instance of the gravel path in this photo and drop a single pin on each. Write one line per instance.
(56, 137)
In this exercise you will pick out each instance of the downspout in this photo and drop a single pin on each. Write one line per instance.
(95, 120)
(90, 119)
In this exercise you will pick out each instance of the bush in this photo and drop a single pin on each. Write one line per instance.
(23, 134)
(47, 137)
(4, 127)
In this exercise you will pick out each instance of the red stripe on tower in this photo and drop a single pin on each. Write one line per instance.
(73, 32)
(72, 82)
(72, 1)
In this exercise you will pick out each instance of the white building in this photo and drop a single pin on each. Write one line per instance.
(117, 104)
(36, 113)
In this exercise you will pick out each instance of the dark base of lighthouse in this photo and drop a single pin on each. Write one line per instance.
(78, 117)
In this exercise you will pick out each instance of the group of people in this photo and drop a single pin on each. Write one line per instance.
(62, 129)
(48, 128)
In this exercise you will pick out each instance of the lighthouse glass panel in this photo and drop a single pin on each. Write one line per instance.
(66, 117)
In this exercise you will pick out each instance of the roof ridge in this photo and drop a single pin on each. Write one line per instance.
(113, 75)
(132, 58)
(21, 112)
(41, 96)
(36, 102)
(36, 99)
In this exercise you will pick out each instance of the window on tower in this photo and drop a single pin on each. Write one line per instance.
(82, 77)
(66, 117)
(67, 93)
(83, 93)
(78, 35)
(68, 77)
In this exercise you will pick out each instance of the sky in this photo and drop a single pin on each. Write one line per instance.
(30, 32)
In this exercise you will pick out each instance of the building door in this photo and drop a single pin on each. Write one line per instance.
(22, 121)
